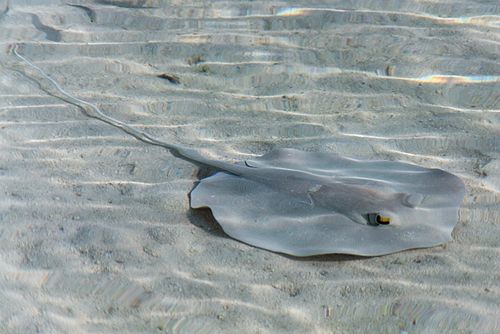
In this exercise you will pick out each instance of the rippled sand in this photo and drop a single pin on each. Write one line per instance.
(96, 234)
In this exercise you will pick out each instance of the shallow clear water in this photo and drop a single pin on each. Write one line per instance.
(95, 227)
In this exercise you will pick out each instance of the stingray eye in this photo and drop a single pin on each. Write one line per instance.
(378, 219)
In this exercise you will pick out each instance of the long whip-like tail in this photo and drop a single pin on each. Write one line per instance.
(180, 151)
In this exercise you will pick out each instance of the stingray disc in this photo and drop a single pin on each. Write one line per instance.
(317, 203)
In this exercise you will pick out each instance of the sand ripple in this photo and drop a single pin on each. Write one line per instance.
(95, 228)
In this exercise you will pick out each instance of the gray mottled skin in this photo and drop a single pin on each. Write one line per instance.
(306, 203)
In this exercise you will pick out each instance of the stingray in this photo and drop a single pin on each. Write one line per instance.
(311, 203)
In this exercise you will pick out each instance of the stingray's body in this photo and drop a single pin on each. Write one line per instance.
(332, 193)
(306, 203)
(309, 203)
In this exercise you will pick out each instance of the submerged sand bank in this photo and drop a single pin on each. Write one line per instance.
(96, 234)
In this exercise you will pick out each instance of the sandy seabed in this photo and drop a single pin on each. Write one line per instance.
(96, 233)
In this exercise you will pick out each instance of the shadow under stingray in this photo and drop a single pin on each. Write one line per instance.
(203, 217)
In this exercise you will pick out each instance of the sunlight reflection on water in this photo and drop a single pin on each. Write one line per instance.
(456, 79)
(485, 20)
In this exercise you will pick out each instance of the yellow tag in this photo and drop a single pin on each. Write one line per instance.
(383, 219)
